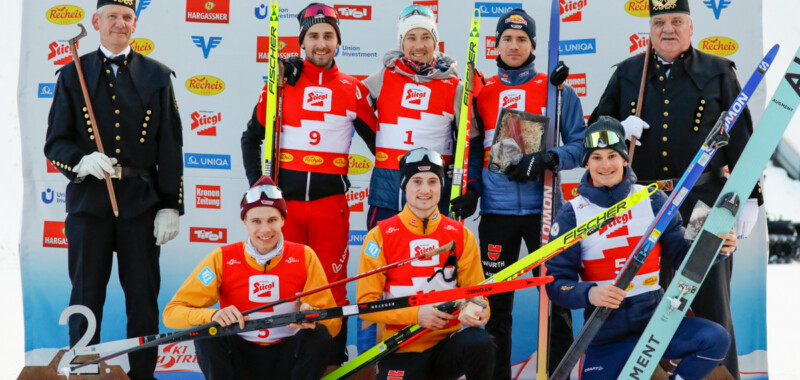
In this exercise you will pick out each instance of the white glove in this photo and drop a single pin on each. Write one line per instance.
(747, 219)
(166, 225)
(633, 128)
(95, 164)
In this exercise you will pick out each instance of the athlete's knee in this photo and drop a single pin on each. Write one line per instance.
(476, 340)
(713, 340)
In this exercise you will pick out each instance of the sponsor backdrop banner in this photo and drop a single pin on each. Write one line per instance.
(218, 49)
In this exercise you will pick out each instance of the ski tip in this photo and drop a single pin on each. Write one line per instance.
(651, 188)
(476, 13)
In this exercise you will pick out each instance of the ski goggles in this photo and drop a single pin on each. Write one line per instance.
(420, 154)
(416, 9)
(254, 194)
(601, 139)
(316, 10)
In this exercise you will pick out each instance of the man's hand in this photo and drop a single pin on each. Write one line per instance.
(229, 316)
(729, 245)
(633, 128)
(166, 225)
(747, 219)
(529, 168)
(292, 69)
(432, 319)
(473, 313)
(465, 205)
(96, 164)
(307, 325)
(606, 295)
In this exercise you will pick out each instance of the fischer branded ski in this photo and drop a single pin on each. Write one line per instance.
(461, 156)
(717, 138)
(511, 272)
(689, 277)
(270, 161)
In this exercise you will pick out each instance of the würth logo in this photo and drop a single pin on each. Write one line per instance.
(317, 99)
(494, 251)
(570, 10)
(638, 43)
(578, 83)
(354, 12)
(264, 288)
(60, 53)
(208, 235)
(513, 99)
(204, 123)
(416, 97)
(208, 196)
(54, 235)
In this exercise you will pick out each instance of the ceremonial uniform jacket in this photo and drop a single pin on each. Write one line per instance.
(138, 121)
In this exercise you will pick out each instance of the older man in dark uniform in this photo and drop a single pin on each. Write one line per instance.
(686, 92)
(137, 117)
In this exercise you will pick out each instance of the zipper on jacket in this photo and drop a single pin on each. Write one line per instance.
(308, 186)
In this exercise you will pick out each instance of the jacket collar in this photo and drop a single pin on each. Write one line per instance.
(419, 226)
(319, 75)
(516, 77)
(604, 196)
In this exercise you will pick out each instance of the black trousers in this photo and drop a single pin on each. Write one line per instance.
(500, 239)
(92, 243)
(232, 357)
(467, 352)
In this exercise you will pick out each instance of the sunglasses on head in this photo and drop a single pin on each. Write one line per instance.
(601, 139)
(316, 10)
(271, 191)
(420, 154)
(416, 9)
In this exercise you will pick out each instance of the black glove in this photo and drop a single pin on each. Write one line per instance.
(465, 205)
(292, 68)
(531, 166)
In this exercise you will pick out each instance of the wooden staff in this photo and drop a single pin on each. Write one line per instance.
(639, 101)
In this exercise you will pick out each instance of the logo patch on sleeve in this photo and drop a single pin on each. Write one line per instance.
(206, 276)
(372, 250)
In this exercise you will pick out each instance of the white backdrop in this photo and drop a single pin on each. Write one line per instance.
(595, 35)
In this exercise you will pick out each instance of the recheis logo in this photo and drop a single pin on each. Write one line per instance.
(60, 53)
(49, 196)
(491, 48)
(46, 90)
(496, 9)
(142, 45)
(264, 288)
(571, 10)
(207, 161)
(177, 357)
(67, 14)
(717, 45)
(206, 47)
(287, 47)
(416, 97)
(577, 82)
(208, 196)
(432, 4)
(205, 85)
(358, 164)
(204, 123)
(212, 11)
(355, 199)
(208, 235)
(354, 12)
(638, 43)
(638, 8)
(571, 47)
(513, 99)
(54, 235)
(717, 6)
(317, 99)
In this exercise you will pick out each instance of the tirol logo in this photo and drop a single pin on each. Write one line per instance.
(638, 43)
(578, 83)
(207, 161)
(205, 85)
(433, 5)
(207, 196)
(264, 288)
(638, 8)
(49, 196)
(208, 235)
(317, 99)
(354, 12)
(496, 9)
(313, 160)
(177, 357)
(721, 46)
(571, 47)
(142, 45)
(204, 123)
(491, 48)
(571, 10)
(47, 90)
(357, 164)
(513, 99)
(54, 235)
(717, 6)
(494, 251)
(416, 97)
(213, 11)
(420, 246)
(355, 199)
(66, 14)
(287, 47)
(206, 47)
(60, 53)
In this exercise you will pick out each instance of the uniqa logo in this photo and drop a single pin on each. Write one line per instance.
(142, 45)
(205, 85)
(286, 157)
(638, 8)
(313, 160)
(358, 164)
(64, 14)
(717, 45)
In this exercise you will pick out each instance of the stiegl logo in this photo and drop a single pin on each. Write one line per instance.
(416, 97)
(419, 246)
(638, 42)
(571, 10)
(60, 52)
(513, 99)
(264, 288)
(317, 99)
(204, 123)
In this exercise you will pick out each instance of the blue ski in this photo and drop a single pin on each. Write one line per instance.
(715, 140)
(678, 297)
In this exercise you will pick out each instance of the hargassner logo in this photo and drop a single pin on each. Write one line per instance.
(571, 47)
(206, 46)
(717, 6)
(207, 161)
(496, 9)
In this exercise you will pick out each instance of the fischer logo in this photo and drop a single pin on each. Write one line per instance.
(496, 9)
(513, 99)
(416, 97)
(354, 12)
(206, 47)
(207, 161)
(205, 85)
(264, 288)
(49, 196)
(54, 235)
(47, 90)
(355, 199)
(638, 43)
(433, 5)
(491, 48)
(317, 99)
(208, 235)
(720, 46)
(578, 83)
(142, 46)
(717, 6)
(572, 47)
(571, 10)
(204, 123)
(177, 357)
(421, 246)
(638, 8)
(494, 251)
(67, 14)
(287, 47)
(60, 53)
(208, 196)
(619, 220)
(212, 11)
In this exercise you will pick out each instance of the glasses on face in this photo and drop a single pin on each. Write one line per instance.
(601, 139)
(324, 10)
(271, 191)
(416, 9)
(420, 154)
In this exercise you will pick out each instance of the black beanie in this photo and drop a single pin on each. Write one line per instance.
(125, 3)
(516, 18)
(307, 22)
(408, 169)
(606, 123)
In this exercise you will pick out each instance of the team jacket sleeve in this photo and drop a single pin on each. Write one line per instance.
(572, 131)
(567, 290)
(315, 278)
(366, 122)
(373, 83)
(170, 153)
(60, 147)
(252, 139)
(191, 304)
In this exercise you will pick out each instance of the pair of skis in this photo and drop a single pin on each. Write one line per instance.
(717, 138)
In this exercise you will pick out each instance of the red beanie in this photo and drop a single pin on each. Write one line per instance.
(263, 193)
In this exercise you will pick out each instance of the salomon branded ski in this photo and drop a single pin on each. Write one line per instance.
(511, 272)
(270, 161)
(702, 255)
(717, 138)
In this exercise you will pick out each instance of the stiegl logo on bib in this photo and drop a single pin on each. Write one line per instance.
(513, 99)
(264, 288)
(420, 246)
(317, 99)
(416, 97)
